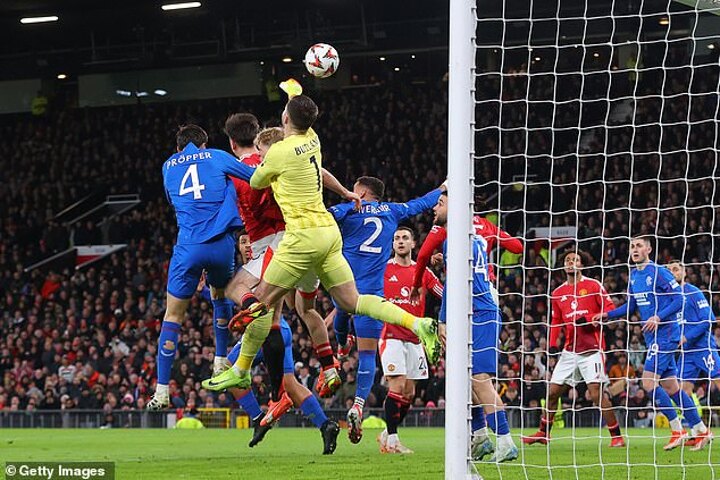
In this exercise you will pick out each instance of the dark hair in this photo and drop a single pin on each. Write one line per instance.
(444, 192)
(302, 112)
(405, 228)
(675, 260)
(585, 257)
(190, 134)
(645, 238)
(375, 185)
(242, 128)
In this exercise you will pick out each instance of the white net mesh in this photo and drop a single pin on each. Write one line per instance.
(597, 121)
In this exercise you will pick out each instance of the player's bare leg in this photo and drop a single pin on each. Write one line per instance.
(347, 298)
(484, 391)
(240, 292)
(329, 380)
(167, 345)
(606, 409)
(397, 404)
(546, 422)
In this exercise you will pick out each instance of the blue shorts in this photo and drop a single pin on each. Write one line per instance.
(217, 258)
(699, 365)
(661, 362)
(485, 335)
(366, 327)
(288, 362)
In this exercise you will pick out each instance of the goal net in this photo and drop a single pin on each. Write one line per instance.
(589, 123)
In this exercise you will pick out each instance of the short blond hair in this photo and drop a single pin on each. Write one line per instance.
(269, 136)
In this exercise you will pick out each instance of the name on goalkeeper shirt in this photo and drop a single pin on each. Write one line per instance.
(306, 147)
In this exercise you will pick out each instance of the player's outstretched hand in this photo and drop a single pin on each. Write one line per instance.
(355, 198)
(599, 317)
(651, 324)
(436, 259)
(415, 294)
(442, 334)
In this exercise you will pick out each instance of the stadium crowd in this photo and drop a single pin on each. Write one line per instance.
(87, 339)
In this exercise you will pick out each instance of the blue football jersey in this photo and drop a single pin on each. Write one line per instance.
(698, 320)
(198, 187)
(654, 291)
(368, 235)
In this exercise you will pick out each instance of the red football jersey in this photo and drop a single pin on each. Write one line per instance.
(569, 303)
(483, 227)
(258, 209)
(398, 283)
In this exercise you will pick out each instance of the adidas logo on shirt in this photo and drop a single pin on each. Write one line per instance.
(393, 279)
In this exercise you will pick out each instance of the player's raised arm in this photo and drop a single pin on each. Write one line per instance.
(433, 241)
(231, 166)
(334, 185)
(432, 284)
(270, 168)
(417, 205)
(508, 242)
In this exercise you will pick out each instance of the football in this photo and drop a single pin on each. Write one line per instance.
(322, 60)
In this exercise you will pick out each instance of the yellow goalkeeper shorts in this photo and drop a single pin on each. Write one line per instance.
(317, 250)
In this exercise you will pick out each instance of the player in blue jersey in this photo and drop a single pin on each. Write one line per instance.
(486, 325)
(700, 359)
(198, 186)
(367, 245)
(658, 298)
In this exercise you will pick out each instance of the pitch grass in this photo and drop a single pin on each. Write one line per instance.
(295, 454)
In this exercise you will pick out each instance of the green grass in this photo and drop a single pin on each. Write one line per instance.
(294, 454)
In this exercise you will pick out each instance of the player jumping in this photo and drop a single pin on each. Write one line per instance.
(402, 357)
(312, 243)
(573, 303)
(367, 243)
(198, 186)
(658, 298)
(700, 359)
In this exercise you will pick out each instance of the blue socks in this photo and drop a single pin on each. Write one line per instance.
(498, 422)
(341, 324)
(167, 345)
(689, 410)
(310, 407)
(478, 418)
(664, 404)
(234, 353)
(365, 373)
(222, 309)
(249, 403)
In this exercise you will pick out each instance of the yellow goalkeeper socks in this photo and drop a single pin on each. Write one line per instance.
(252, 340)
(377, 307)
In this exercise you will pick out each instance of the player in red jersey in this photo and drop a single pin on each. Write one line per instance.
(574, 303)
(265, 226)
(402, 355)
(483, 227)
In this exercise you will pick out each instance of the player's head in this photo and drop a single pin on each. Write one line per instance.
(267, 137)
(244, 247)
(440, 210)
(191, 134)
(573, 261)
(677, 268)
(369, 188)
(300, 113)
(241, 129)
(404, 241)
(640, 248)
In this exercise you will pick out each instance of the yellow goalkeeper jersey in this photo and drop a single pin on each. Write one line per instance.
(292, 168)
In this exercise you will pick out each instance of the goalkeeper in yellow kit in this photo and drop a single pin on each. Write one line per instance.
(312, 245)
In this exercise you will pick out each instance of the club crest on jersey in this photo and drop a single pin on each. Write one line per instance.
(648, 281)
(583, 292)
